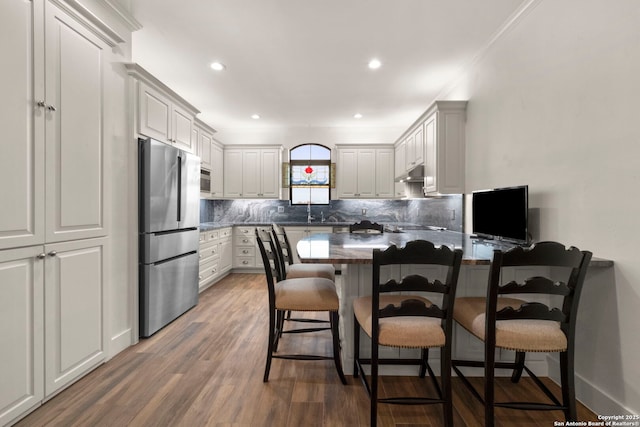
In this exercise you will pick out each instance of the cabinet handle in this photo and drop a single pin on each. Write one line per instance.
(245, 240)
(199, 256)
(41, 104)
(245, 231)
(245, 251)
(51, 108)
(53, 253)
(199, 277)
(41, 256)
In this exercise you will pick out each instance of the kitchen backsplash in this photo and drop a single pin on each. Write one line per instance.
(444, 211)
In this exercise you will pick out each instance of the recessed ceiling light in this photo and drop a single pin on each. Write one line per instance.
(357, 116)
(218, 66)
(255, 116)
(375, 64)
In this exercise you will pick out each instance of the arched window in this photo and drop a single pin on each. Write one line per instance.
(310, 174)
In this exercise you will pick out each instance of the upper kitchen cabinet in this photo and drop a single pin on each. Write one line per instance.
(365, 172)
(203, 136)
(217, 170)
(161, 113)
(252, 171)
(52, 167)
(414, 155)
(445, 147)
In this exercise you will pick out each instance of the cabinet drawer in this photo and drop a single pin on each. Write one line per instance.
(245, 241)
(209, 252)
(245, 262)
(203, 237)
(212, 234)
(245, 231)
(245, 251)
(225, 232)
(207, 272)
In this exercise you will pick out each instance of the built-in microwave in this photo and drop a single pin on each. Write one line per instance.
(205, 181)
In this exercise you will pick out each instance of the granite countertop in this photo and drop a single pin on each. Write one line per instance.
(348, 248)
(401, 226)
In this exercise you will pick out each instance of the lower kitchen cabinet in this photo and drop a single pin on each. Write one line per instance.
(61, 286)
(244, 248)
(215, 256)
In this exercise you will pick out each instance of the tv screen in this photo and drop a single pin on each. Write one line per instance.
(501, 213)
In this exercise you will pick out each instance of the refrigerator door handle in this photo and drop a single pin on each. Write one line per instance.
(180, 198)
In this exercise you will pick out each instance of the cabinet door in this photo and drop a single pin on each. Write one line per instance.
(418, 146)
(22, 159)
(181, 129)
(21, 331)
(205, 150)
(399, 160)
(74, 293)
(430, 154)
(384, 173)
(347, 173)
(217, 171)
(233, 175)
(251, 176)
(226, 254)
(366, 173)
(74, 142)
(410, 149)
(154, 114)
(270, 173)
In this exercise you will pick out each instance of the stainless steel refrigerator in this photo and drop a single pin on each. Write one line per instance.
(169, 212)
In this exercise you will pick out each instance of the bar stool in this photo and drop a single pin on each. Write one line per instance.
(301, 294)
(522, 326)
(409, 321)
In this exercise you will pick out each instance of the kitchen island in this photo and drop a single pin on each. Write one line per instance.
(354, 253)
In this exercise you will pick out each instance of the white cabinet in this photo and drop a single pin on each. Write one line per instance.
(252, 172)
(365, 172)
(414, 146)
(53, 117)
(161, 113)
(215, 256)
(204, 137)
(384, 168)
(445, 147)
(58, 70)
(75, 339)
(400, 167)
(297, 233)
(62, 286)
(21, 331)
(245, 248)
(217, 170)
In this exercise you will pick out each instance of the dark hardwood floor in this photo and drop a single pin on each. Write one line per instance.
(205, 369)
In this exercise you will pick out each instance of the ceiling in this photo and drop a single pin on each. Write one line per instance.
(304, 62)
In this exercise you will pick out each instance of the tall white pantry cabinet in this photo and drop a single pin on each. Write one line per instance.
(53, 230)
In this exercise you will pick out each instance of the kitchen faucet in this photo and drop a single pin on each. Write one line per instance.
(309, 217)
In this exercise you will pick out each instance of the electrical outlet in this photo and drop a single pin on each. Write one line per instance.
(364, 211)
(280, 209)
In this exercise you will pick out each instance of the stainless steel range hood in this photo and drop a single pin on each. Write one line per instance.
(414, 175)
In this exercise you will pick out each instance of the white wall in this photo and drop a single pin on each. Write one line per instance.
(554, 104)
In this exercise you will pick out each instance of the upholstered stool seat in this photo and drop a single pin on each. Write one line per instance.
(401, 331)
(530, 335)
(306, 294)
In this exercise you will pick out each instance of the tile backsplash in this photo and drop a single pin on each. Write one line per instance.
(443, 211)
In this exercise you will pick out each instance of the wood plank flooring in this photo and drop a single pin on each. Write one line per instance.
(205, 369)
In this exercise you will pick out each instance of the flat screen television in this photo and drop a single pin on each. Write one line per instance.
(501, 213)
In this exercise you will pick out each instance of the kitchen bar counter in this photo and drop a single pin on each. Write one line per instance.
(356, 248)
(354, 253)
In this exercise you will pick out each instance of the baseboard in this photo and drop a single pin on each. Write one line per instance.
(119, 342)
(588, 393)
